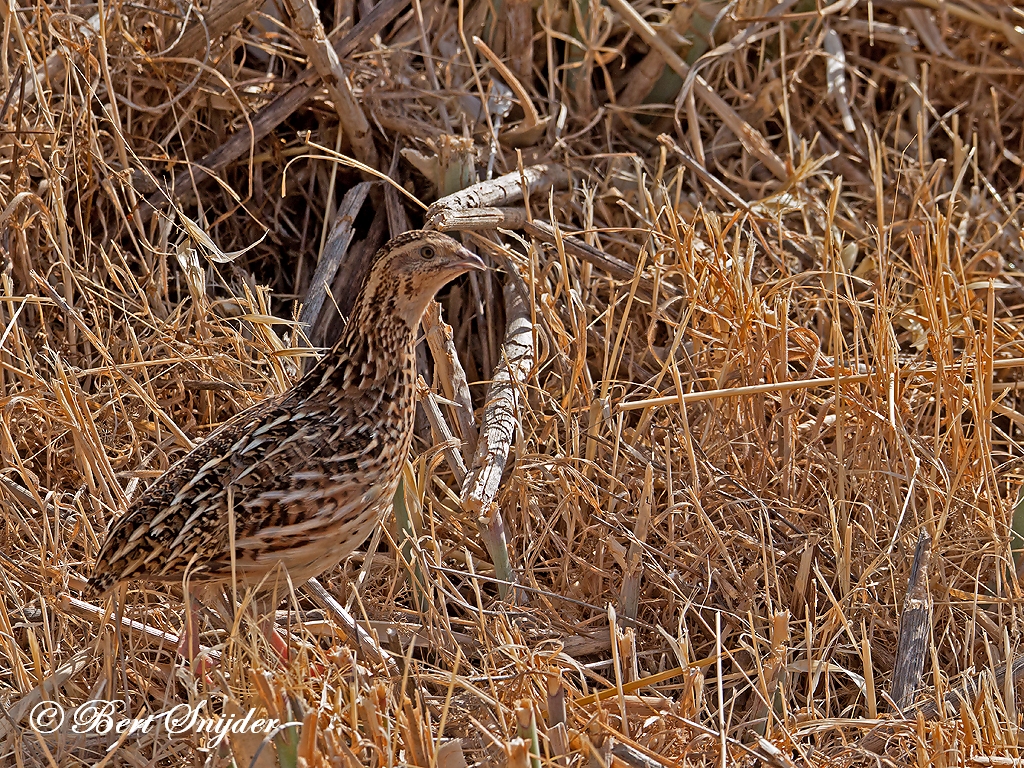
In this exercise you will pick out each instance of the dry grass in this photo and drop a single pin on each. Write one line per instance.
(707, 576)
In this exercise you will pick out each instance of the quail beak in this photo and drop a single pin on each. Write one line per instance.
(469, 260)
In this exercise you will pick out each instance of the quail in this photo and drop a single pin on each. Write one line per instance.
(299, 480)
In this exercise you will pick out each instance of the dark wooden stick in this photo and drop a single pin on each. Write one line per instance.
(220, 17)
(915, 627)
(334, 253)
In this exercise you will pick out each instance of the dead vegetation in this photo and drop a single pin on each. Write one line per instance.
(752, 338)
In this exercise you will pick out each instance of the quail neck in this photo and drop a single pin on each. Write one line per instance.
(375, 354)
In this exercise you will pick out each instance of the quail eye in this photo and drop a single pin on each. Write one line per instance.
(427, 252)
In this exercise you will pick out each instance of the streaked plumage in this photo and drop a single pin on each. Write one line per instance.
(307, 474)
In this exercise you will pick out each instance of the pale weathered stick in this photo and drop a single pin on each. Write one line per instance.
(617, 268)
(501, 412)
(448, 369)
(443, 436)
(354, 266)
(485, 206)
(709, 180)
(911, 648)
(365, 640)
(27, 497)
(498, 429)
(473, 219)
(923, 23)
(81, 608)
(629, 595)
(324, 58)
(978, 17)
(331, 258)
(633, 757)
(496, 192)
(515, 218)
(835, 76)
(85, 610)
(357, 263)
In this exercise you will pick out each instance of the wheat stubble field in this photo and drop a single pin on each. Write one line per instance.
(717, 465)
